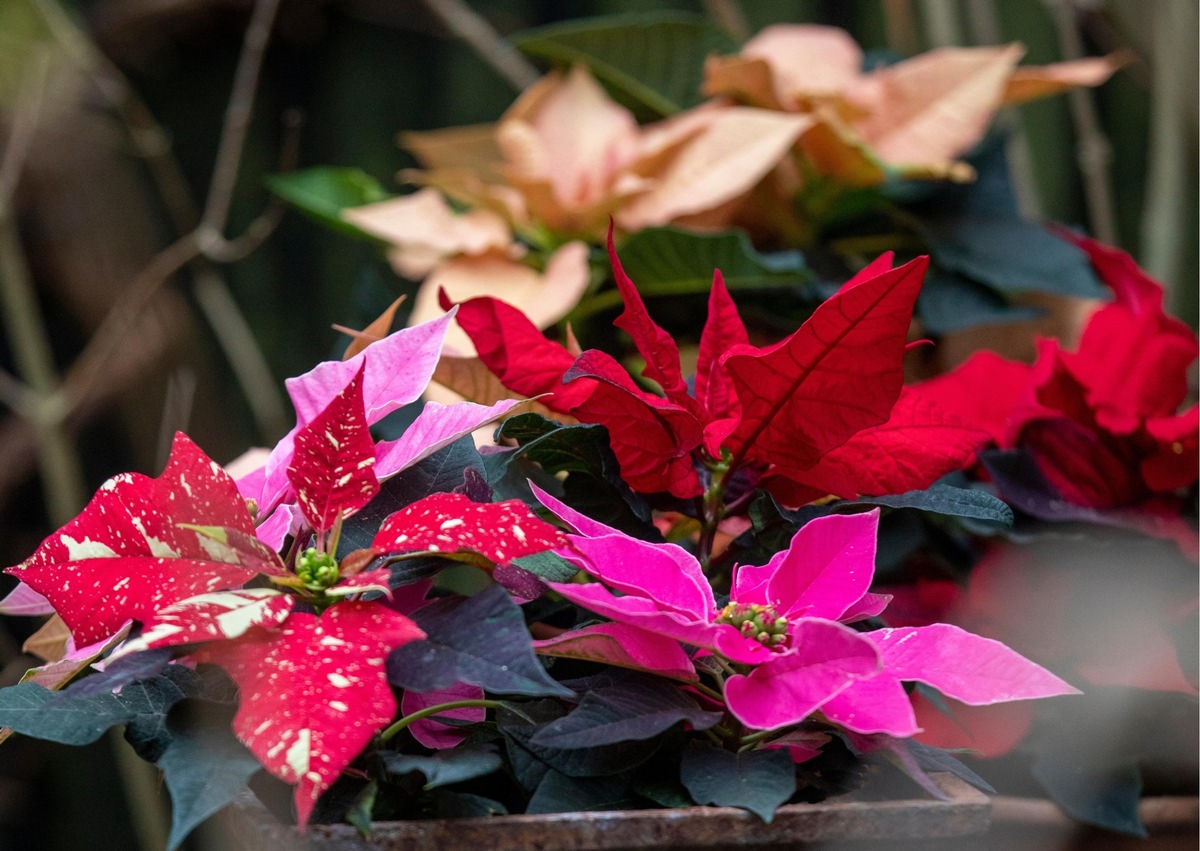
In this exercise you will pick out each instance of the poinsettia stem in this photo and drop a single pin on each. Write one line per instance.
(712, 510)
(434, 710)
(335, 535)
(709, 691)
(750, 740)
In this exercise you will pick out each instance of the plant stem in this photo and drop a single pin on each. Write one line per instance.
(709, 691)
(755, 738)
(712, 511)
(434, 710)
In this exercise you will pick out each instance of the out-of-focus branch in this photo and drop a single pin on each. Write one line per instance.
(729, 16)
(152, 143)
(62, 477)
(473, 29)
(1167, 181)
(900, 23)
(237, 122)
(204, 239)
(1094, 152)
(943, 24)
(983, 22)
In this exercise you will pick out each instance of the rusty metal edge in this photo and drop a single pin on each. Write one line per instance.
(966, 813)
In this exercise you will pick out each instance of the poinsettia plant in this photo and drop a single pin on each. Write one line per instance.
(728, 534)
(312, 586)
(794, 140)
(822, 412)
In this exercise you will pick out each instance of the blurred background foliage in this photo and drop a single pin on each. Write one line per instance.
(111, 115)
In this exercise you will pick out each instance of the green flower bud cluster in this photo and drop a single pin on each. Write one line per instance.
(317, 570)
(757, 622)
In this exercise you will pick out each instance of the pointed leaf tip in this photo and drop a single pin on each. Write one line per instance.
(332, 468)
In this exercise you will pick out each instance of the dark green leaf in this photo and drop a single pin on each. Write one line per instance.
(441, 472)
(531, 761)
(662, 791)
(79, 719)
(951, 302)
(526, 767)
(558, 793)
(1013, 255)
(445, 767)
(935, 759)
(653, 63)
(149, 702)
(991, 193)
(1104, 795)
(638, 708)
(204, 767)
(946, 500)
(361, 812)
(1087, 750)
(32, 710)
(548, 566)
(322, 194)
(668, 261)
(509, 472)
(594, 484)
(758, 780)
(137, 666)
(481, 640)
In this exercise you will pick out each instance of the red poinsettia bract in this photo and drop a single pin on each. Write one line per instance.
(1102, 423)
(821, 412)
(176, 554)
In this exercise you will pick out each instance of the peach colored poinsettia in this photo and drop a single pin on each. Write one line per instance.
(560, 162)
(468, 255)
(565, 157)
(916, 116)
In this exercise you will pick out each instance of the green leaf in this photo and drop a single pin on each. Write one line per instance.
(758, 780)
(204, 767)
(445, 767)
(946, 500)
(652, 63)
(548, 566)
(322, 193)
(559, 793)
(481, 640)
(1012, 255)
(934, 759)
(951, 302)
(361, 812)
(530, 762)
(635, 709)
(593, 485)
(72, 718)
(670, 262)
(32, 710)
(1100, 794)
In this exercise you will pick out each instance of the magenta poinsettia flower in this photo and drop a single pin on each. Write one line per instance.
(821, 412)
(783, 631)
(175, 554)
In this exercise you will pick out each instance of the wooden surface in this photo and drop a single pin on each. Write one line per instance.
(877, 823)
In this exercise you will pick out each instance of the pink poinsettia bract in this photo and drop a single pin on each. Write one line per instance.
(784, 637)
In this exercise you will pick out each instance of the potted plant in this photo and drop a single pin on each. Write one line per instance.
(739, 568)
